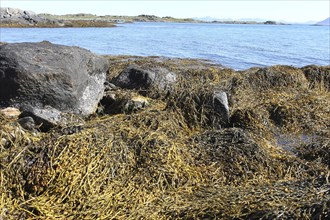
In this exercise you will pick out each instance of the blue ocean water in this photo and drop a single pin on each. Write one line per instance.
(236, 46)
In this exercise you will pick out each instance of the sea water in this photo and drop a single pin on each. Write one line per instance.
(237, 46)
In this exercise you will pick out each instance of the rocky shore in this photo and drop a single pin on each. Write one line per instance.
(84, 136)
(17, 18)
(11, 17)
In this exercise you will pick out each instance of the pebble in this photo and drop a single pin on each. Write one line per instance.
(10, 112)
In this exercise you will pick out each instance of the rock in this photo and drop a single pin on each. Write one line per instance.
(45, 118)
(270, 22)
(3, 142)
(275, 77)
(27, 123)
(135, 103)
(10, 112)
(317, 76)
(25, 18)
(67, 79)
(123, 102)
(233, 150)
(221, 107)
(71, 129)
(108, 104)
(136, 78)
(109, 86)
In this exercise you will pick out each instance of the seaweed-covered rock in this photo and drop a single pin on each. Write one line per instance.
(234, 149)
(69, 79)
(317, 76)
(276, 77)
(136, 78)
(316, 149)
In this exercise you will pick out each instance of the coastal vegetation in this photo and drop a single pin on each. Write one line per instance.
(175, 156)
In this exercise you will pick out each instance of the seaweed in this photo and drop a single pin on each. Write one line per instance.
(171, 160)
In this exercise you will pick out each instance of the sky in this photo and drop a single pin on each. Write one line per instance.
(278, 10)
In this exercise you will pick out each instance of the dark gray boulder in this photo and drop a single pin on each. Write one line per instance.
(67, 79)
(135, 77)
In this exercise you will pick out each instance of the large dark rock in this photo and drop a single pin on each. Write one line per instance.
(67, 79)
(135, 77)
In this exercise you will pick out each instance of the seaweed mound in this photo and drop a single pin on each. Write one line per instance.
(175, 158)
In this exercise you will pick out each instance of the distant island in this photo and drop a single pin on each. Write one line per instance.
(12, 17)
(325, 22)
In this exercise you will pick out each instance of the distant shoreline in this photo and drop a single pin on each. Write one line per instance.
(17, 18)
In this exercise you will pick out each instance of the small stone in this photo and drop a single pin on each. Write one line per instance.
(121, 102)
(221, 107)
(45, 117)
(135, 103)
(3, 142)
(27, 123)
(72, 129)
(109, 86)
(10, 112)
(112, 97)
